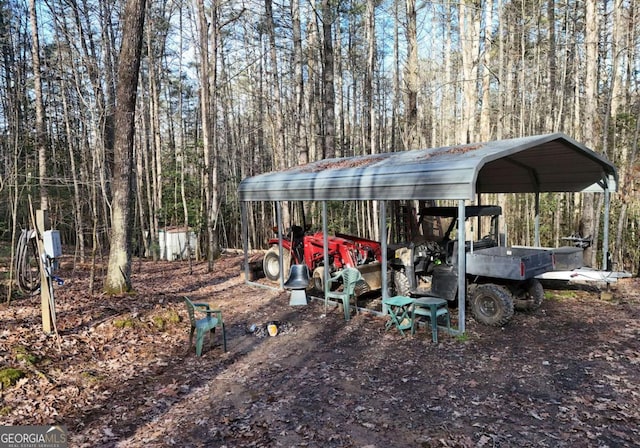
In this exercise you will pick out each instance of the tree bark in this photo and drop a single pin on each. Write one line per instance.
(411, 77)
(469, 36)
(589, 120)
(118, 279)
(329, 97)
(370, 110)
(485, 112)
(41, 129)
(208, 78)
(299, 114)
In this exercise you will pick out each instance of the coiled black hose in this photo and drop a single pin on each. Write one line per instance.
(27, 266)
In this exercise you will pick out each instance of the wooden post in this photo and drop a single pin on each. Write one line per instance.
(42, 222)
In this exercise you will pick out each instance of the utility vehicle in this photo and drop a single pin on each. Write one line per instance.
(499, 279)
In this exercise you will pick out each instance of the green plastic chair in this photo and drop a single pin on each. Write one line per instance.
(439, 309)
(207, 324)
(349, 278)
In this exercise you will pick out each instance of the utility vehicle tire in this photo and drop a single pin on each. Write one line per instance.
(528, 296)
(401, 284)
(492, 304)
(271, 266)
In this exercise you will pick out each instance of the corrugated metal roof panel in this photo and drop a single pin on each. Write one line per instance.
(545, 163)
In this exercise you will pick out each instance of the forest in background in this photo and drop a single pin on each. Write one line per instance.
(229, 89)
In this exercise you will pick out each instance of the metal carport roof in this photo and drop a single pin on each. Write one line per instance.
(536, 164)
(543, 163)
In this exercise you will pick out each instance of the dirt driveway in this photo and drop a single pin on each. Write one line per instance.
(567, 375)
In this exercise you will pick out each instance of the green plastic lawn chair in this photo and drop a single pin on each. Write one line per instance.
(202, 326)
(349, 278)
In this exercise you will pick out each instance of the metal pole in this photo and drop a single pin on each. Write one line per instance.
(280, 252)
(536, 221)
(244, 226)
(605, 231)
(383, 242)
(462, 266)
(325, 253)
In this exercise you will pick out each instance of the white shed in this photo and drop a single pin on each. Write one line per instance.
(177, 243)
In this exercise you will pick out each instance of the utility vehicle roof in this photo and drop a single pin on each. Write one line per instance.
(542, 163)
(469, 211)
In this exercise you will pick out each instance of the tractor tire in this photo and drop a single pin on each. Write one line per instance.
(317, 281)
(492, 305)
(362, 287)
(271, 265)
(401, 284)
(528, 296)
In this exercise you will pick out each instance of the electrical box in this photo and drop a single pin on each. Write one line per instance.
(52, 244)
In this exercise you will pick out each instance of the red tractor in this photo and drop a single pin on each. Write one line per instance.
(344, 251)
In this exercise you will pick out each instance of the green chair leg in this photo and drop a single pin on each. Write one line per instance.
(199, 340)
(347, 308)
(434, 323)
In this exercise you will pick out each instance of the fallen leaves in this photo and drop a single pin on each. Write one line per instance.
(548, 379)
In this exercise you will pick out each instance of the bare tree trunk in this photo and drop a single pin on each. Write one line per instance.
(14, 208)
(77, 202)
(501, 76)
(118, 278)
(299, 114)
(95, 241)
(180, 149)
(370, 108)
(395, 140)
(485, 112)
(588, 121)
(411, 77)
(329, 97)
(626, 193)
(208, 79)
(154, 150)
(618, 57)
(41, 129)
(148, 247)
(469, 36)
(521, 78)
(276, 117)
(552, 67)
(343, 106)
(510, 89)
(449, 104)
(314, 94)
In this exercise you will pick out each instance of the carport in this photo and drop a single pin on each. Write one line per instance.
(536, 164)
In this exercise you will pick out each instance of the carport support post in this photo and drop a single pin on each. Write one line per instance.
(536, 221)
(462, 266)
(383, 243)
(280, 251)
(244, 226)
(325, 250)
(605, 231)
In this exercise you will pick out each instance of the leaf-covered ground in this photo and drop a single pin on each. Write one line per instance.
(567, 375)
